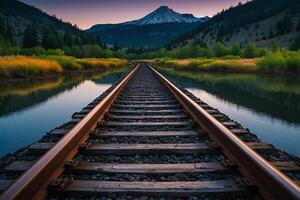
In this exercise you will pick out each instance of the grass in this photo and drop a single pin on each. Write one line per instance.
(24, 66)
(281, 62)
(66, 62)
(226, 64)
(104, 63)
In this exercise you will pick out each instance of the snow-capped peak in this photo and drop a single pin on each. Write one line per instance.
(164, 15)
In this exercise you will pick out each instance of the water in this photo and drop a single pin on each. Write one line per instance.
(269, 106)
(28, 110)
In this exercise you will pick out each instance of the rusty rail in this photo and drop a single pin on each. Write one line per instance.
(272, 183)
(33, 183)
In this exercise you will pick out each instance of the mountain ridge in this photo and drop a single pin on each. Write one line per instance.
(164, 14)
(162, 25)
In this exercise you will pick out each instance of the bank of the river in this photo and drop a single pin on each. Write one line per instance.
(24, 67)
(283, 62)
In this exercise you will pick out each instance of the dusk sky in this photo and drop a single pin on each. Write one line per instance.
(86, 13)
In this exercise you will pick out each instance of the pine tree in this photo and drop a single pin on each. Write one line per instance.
(5, 31)
(2, 26)
(295, 46)
(30, 37)
(271, 34)
(49, 41)
(99, 41)
(284, 26)
(116, 47)
(68, 39)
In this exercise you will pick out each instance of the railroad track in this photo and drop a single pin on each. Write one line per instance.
(145, 138)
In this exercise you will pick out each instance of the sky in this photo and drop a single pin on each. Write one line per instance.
(86, 13)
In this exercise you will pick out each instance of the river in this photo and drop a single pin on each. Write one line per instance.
(267, 105)
(30, 109)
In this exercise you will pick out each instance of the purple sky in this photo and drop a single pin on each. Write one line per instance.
(86, 13)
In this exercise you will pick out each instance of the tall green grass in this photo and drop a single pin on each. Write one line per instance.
(103, 63)
(226, 64)
(281, 62)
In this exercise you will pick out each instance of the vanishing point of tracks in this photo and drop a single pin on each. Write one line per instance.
(147, 139)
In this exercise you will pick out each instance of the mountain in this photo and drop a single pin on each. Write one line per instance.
(18, 16)
(262, 22)
(154, 30)
(166, 15)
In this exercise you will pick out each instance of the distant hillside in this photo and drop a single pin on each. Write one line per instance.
(19, 16)
(154, 30)
(148, 36)
(262, 22)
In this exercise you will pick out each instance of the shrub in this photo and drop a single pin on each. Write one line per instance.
(281, 62)
(272, 63)
(250, 51)
(35, 51)
(220, 50)
(67, 63)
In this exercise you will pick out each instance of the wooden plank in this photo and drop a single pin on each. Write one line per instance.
(141, 117)
(75, 120)
(18, 166)
(110, 123)
(184, 148)
(145, 96)
(259, 146)
(145, 102)
(59, 132)
(219, 115)
(229, 123)
(120, 106)
(88, 167)
(84, 111)
(90, 106)
(145, 99)
(147, 133)
(286, 166)
(212, 111)
(127, 149)
(91, 167)
(239, 131)
(39, 148)
(178, 188)
(79, 116)
(141, 112)
(4, 184)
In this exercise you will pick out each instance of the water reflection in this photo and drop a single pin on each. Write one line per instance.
(29, 109)
(269, 106)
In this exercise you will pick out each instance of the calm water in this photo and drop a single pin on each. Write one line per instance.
(268, 106)
(30, 109)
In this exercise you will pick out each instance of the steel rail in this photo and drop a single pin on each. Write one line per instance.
(271, 183)
(34, 182)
